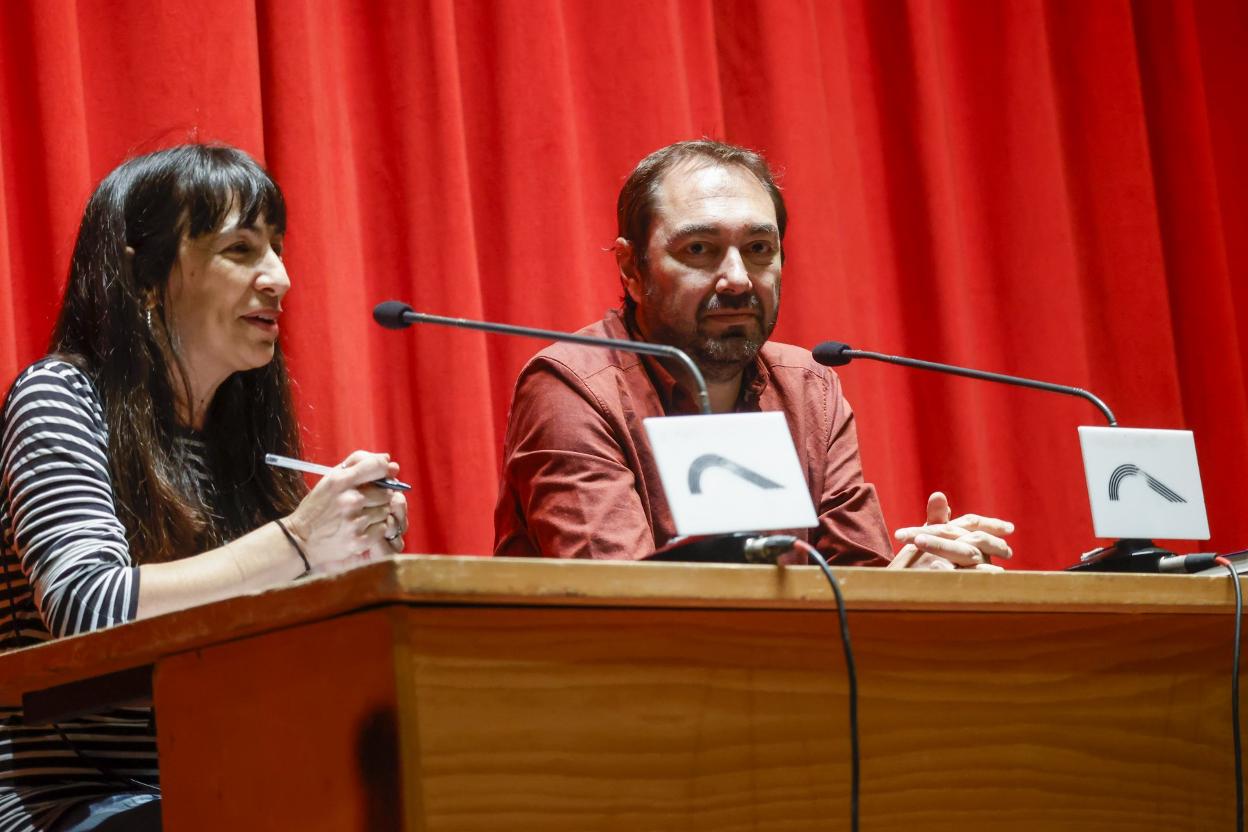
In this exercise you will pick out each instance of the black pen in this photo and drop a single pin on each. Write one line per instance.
(312, 468)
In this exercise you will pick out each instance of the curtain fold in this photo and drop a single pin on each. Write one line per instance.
(1048, 188)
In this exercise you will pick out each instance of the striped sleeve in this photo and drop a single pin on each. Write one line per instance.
(54, 463)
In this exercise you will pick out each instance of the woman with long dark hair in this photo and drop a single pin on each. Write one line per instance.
(132, 479)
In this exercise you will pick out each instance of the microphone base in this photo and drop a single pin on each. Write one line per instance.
(1132, 555)
(717, 548)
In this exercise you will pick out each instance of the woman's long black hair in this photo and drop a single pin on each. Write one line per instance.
(150, 204)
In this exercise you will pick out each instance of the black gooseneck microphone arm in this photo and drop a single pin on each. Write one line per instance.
(835, 354)
(393, 314)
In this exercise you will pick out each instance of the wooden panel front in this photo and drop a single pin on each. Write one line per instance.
(465, 718)
(699, 720)
(295, 729)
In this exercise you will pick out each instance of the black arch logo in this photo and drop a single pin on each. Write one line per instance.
(1129, 470)
(706, 462)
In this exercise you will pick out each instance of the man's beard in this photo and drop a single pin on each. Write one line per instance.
(720, 356)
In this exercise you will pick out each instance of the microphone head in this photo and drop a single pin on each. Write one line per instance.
(392, 314)
(832, 353)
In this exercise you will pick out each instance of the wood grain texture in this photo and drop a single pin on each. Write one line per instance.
(715, 720)
(665, 719)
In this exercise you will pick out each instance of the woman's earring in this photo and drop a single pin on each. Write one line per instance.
(149, 317)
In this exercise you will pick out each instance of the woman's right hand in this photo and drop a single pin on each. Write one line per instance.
(344, 516)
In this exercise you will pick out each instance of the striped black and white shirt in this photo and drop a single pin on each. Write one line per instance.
(66, 569)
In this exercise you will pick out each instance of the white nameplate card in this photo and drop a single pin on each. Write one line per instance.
(1144, 483)
(732, 472)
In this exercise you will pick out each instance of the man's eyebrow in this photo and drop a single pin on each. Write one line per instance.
(702, 229)
(713, 230)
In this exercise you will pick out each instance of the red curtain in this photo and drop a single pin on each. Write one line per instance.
(1051, 189)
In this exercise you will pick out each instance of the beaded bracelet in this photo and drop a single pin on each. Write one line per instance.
(307, 567)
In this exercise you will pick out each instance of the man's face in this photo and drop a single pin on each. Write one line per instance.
(712, 283)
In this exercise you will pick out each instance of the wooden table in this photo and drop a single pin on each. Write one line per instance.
(438, 693)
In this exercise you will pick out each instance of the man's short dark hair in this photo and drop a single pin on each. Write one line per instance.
(635, 207)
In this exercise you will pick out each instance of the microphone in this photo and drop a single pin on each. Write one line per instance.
(1187, 564)
(836, 354)
(394, 314)
(738, 547)
(1125, 555)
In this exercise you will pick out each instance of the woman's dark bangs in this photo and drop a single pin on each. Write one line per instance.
(224, 182)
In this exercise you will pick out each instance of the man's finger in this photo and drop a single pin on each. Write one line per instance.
(902, 560)
(938, 510)
(987, 567)
(935, 563)
(911, 558)
(958, 552)
(979, 523)
(945, 530)
(988, 544)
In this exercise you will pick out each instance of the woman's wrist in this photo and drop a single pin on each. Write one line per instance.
(288, 529)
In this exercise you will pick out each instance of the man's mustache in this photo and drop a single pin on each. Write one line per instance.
(732, 303)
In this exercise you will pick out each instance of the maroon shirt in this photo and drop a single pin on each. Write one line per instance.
(580, 480)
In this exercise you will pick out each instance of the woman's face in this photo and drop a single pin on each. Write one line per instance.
(223, 301)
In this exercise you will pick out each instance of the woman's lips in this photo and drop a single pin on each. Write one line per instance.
(266, 322)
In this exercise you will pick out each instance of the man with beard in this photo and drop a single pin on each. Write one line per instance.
(701, 225)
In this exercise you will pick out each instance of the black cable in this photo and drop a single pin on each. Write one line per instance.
(1239, 756)
(851, 675)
